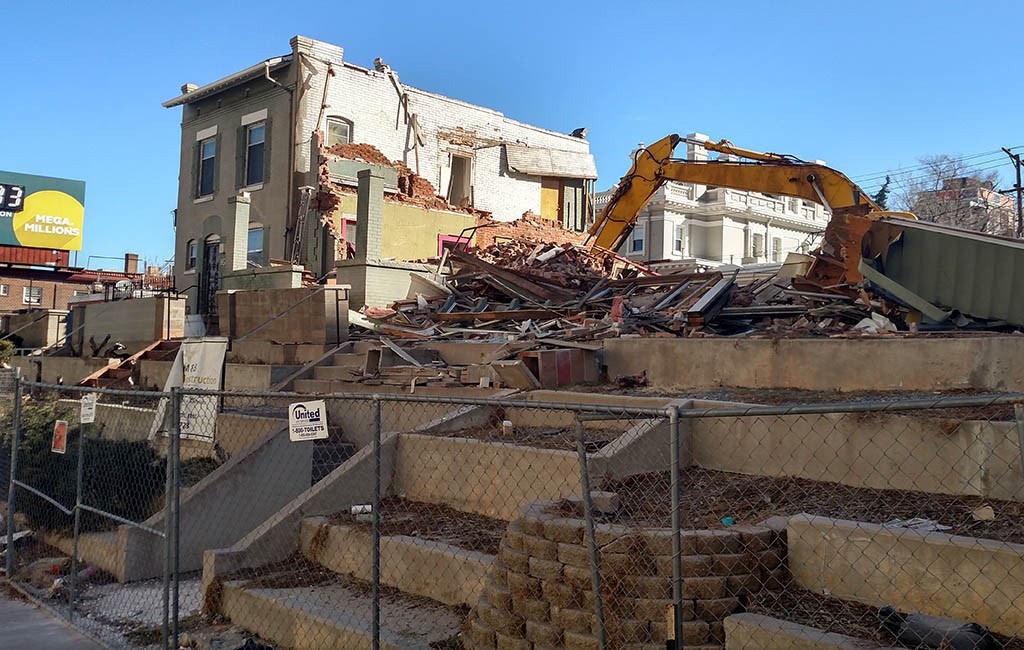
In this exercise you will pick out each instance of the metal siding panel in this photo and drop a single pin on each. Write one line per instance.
(539, 161)
(971, 273)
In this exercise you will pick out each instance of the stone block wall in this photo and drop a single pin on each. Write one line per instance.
(539, 593)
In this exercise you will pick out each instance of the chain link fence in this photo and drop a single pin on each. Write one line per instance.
(283, 520)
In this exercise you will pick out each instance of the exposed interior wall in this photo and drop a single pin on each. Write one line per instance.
(411, 232)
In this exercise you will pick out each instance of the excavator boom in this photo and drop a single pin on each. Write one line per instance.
(769, 173)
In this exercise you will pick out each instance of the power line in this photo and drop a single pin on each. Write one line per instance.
(899, 170)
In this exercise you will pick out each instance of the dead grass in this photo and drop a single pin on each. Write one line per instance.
(433, 522)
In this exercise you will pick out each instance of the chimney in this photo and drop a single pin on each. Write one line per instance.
(131, 262)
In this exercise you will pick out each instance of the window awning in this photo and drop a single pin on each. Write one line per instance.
(539, 161)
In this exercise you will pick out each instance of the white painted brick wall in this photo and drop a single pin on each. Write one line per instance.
(370, 100)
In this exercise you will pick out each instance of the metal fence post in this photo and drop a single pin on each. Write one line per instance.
(677, 548)
(80, 473)
(376, 521)
(15, 442)
(165, 629)
(175, 460)
(588, 515)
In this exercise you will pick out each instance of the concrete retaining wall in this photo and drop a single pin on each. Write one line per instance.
(37, 329)
(305, 315)
(965, 578)
(492, 479)
(866, 450)
(923, 363)
(55, 370)
(445, 573)
(136, 322)
(235, 432)
(541, 593)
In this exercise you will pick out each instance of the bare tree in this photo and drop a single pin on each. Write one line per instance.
(946, 190)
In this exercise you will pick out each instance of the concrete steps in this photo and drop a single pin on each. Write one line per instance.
(342, 373)
(349, 359)
(329, 454)
(324, 617)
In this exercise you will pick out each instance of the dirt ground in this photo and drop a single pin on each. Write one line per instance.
(433, 522)
(540, 437)
(793, 396)
(709, 496)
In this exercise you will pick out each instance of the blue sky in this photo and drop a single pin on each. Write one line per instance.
(867, 86)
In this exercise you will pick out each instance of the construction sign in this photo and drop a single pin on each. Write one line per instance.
(307, 421)
(59, 445)
(41, 211)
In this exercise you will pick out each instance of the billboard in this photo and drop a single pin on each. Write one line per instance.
(41, 212)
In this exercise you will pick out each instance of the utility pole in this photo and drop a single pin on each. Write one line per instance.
(1015, 157)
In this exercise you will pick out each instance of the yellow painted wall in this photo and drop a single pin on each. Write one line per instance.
(410, 233)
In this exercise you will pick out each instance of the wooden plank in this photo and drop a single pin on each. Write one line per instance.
(90, 379)
(400, 352)
(518, 314)
(709, 304)
(536, 291)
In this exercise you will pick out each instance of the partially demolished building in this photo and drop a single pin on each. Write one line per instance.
(263, 151)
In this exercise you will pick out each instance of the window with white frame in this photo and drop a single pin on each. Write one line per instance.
(677, 240)
(207, 165)
(255, 246)
(32, 295)
(756, 245)
(192, 254)
(5, 289)
(339, 131)
(255, 141)
(776, 249)
(637, 240)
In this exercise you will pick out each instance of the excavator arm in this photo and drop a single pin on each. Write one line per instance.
(852, 209)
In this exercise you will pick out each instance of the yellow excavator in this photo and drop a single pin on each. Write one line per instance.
(835, 264)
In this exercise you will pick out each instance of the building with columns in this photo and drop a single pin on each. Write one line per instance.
(687, 225)
(252, 142)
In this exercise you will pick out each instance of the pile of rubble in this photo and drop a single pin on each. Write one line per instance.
(522, 289)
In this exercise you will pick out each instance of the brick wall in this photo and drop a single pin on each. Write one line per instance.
(55, 292)
(539, 595)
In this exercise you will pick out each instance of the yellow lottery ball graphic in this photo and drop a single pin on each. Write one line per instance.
(50, 219)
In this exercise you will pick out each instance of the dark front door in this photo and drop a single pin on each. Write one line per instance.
(209, 282)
